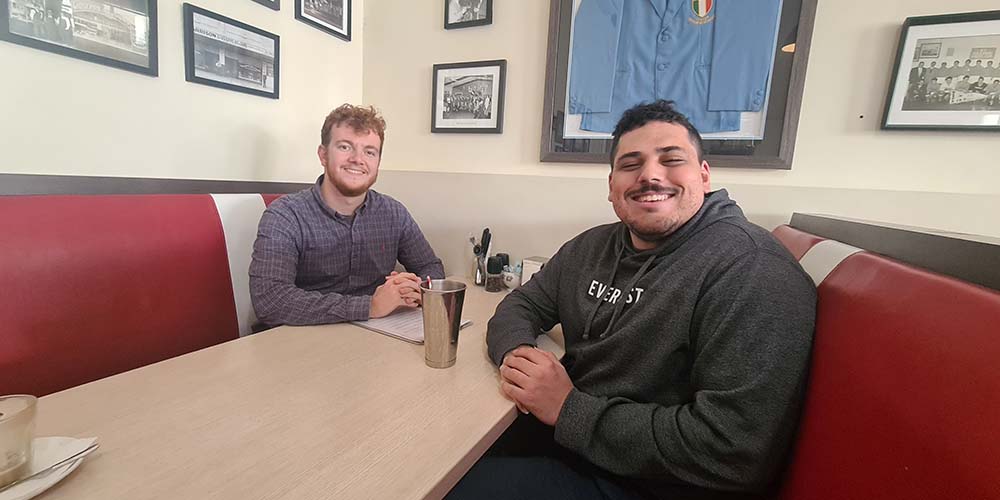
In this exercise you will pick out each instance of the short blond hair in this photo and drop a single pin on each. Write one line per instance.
(360, 118)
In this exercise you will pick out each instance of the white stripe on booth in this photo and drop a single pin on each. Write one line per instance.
(824, 257)
(240, 214)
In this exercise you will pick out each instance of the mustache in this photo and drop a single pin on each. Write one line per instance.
(652, 188)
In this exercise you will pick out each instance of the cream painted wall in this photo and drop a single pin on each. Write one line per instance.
(67, 116)
(534, 215)
(847, 79)
(842, 157)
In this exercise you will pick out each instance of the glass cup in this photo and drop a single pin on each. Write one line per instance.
(17, 429)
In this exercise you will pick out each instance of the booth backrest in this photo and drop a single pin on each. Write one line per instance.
(797, 242)
(903, 399)
(98, 285)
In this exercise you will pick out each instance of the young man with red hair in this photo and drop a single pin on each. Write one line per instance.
(326, 254)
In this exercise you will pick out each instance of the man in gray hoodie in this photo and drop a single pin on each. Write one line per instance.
(688, 331)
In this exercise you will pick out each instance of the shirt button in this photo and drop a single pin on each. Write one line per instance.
(664, 36)
(662, 66)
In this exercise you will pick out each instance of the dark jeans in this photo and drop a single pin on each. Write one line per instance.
(526, 463)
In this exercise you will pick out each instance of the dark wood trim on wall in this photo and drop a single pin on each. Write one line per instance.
(20, 184)
(797, 84)
(966, 259)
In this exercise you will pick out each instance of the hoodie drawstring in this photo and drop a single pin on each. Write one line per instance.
(620, 306)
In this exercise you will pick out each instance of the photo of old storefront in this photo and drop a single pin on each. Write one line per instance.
(229, 54)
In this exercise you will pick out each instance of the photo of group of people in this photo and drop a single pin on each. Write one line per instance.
(331, 16)
(468, 97)
(328, 11)
(117, 30)
(944, 77)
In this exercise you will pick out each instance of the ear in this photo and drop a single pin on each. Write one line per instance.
(706, 176)
(609, 185)
(321, 152)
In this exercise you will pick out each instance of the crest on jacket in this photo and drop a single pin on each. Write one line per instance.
(702, 8)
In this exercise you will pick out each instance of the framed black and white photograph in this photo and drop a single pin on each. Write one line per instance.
(468, 97)
(947, 74)
(116, 33)
(273, 4)
(228, 54)
(331, 16)
(467, 13)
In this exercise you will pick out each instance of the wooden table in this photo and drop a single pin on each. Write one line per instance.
(331, 411)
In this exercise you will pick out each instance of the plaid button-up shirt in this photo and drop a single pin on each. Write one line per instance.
(312, 265)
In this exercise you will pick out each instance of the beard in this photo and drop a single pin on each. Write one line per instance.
(654, 227)
(351, 190)
(348, 188)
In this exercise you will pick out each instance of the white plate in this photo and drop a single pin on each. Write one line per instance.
(48, 451)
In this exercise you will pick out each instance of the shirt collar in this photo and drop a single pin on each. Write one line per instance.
(317, 191)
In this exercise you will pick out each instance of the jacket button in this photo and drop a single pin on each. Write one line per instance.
(662, 66)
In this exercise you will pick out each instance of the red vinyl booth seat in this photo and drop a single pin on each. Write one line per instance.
(97, 285)
(797, 242)
(269, 198)
(903, 399)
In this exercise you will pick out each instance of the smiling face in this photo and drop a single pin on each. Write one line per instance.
(350, 160)
(657, 183)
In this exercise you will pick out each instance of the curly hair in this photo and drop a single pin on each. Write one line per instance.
(659, 111)
(360, 118)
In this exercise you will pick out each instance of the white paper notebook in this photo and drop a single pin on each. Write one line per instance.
(405, 325)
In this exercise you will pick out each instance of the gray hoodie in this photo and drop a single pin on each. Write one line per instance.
(688, 361)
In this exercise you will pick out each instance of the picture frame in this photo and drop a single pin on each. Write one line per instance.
(468, 97)
(926, 93)
(272, 4)
(774, 150)
(460, 14)
(86, 32)
(331, 16)
(225, 53)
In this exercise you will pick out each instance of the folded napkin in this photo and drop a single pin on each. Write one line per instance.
(47, 452)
